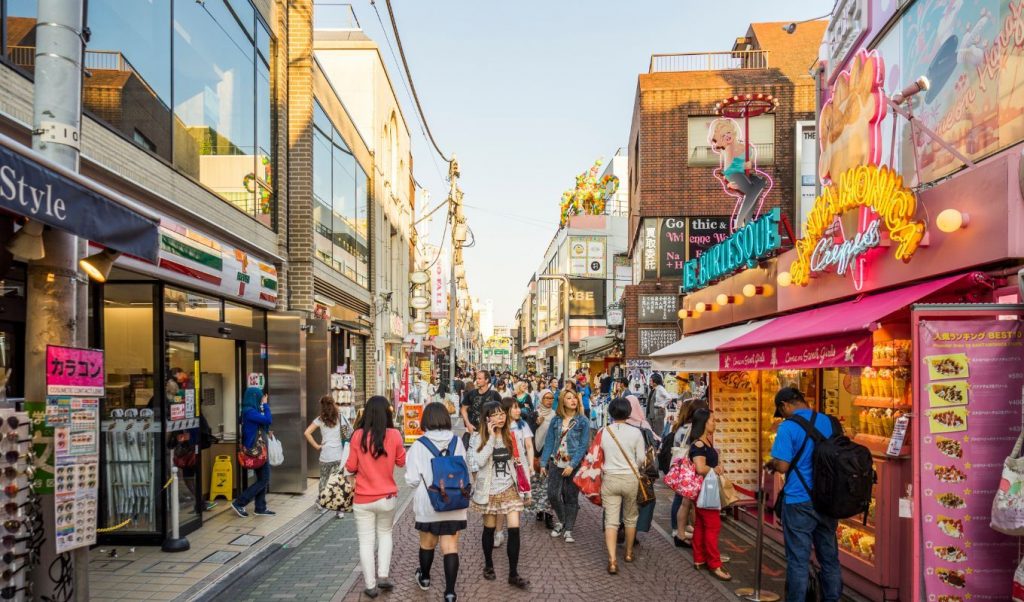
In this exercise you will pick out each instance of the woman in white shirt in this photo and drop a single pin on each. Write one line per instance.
(624, 451)
(434, 525)
(332, 445)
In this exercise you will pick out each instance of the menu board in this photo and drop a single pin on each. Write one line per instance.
(658, 308)
(736, 400)
(653, 339)
(970, 392)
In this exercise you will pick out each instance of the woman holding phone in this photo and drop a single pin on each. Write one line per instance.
(492, 449)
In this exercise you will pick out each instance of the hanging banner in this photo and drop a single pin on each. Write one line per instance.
(439, 289)
(970, 394)
(842, 351)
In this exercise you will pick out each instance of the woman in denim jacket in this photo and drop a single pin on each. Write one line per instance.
(564, 447)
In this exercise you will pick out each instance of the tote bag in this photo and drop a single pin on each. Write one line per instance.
(588, 478)
(1008, 503)
(683, 478)
(710, 497)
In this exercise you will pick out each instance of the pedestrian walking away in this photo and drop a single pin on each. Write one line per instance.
(708, 523)
(256, 421)
(495, 492)
(802, 525)
(332, 443)
(651, 444)
(624, 450)
(435, 526)
(377, 448)
(564, 447)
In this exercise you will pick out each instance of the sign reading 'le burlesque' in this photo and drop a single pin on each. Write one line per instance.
(744, 248)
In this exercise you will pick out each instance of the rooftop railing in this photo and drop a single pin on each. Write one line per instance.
(709, 61)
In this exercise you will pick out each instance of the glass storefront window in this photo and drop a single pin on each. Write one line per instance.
(131, 414)
(342, 202)
(188, 303)
(238, 314)
(181, 363)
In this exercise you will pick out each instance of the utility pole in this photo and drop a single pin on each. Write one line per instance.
(454, 213)
(51, 318)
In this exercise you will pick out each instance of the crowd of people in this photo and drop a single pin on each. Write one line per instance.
(525, 442)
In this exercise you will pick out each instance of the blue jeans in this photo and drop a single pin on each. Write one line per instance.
(802, 526)
(257, 490)
(677, 502)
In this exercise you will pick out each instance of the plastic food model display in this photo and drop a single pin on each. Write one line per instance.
(736, 404)
(856, 541)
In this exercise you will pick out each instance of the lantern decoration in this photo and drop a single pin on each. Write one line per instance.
(737, 169)
(591, 194)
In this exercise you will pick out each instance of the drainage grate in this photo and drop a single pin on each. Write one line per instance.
(219, 557)
(171, 568)
(245, 540)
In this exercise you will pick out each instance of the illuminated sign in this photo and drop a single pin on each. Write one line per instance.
(884, 200)
(743, 249)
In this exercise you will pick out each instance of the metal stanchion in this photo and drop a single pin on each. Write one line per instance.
(756, 594)
(174, 543)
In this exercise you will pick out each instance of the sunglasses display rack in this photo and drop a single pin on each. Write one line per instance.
(129, 441)
(23, 530)
(736, 402)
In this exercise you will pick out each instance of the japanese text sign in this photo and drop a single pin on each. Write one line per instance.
(73, 371)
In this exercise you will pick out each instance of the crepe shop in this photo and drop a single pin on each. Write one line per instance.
(897, 310)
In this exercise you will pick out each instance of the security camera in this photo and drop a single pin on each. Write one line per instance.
(789, 28)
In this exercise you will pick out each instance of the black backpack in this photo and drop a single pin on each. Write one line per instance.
(844, 473)
(665, 453)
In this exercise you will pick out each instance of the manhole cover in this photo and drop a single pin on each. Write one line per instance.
(219, 557)
(171, 568)
(245, 540)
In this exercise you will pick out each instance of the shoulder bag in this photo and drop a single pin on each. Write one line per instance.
(251, 458)
(589, 476)
(1008, 503)
(522, 480)
(645, 488)
(339, 491)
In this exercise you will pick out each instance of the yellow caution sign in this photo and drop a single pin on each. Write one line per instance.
(222, 478)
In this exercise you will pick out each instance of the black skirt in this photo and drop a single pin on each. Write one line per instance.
(442, 527)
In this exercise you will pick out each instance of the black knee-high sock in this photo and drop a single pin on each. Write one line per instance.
(426, 559)
(451, 572)
(489, 546)
(513, 551)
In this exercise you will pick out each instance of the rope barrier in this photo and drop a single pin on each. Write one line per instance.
(128, 521)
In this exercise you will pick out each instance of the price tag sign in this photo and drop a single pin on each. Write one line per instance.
(256, 379)
(899, 433)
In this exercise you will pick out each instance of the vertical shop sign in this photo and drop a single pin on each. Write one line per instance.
(970, 392)
(806, 170)
(650, 243)
(702, 233)
(672, 252)
(438, 290)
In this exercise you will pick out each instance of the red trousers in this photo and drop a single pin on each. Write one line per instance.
(707, 525)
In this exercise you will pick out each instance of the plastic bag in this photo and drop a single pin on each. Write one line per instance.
(275, 451)
(710, 497)
(1008, 503)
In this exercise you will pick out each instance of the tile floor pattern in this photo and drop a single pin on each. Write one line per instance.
(151, 574)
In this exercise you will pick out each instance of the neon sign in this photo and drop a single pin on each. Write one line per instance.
(830, 253)
(744, 248)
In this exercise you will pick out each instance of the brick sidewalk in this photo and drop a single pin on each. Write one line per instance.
(557, 570)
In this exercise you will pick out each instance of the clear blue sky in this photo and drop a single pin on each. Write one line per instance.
(528, 94)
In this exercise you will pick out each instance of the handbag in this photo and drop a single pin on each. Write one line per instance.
(275, 451)
(710, 497)
(728, 491)
(522, 479)
(683, 478)
(645, 488)
(588, 478)
(1018, 583)
(1008, 503)
(253, 457)
(339, 492)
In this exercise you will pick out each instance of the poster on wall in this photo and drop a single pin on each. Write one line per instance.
(970, 394)
(587, 256)
(587, 298)
(658, 308)
(653, 339)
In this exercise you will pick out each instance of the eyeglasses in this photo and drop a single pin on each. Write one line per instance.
(13, 490)
(10, 591)
(9, 541)
(15, 455)
(11, 508)
(10, 557)
(13, 526)
(14, 423)
(12, 472)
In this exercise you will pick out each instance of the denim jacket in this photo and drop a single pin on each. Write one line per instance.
(576, 440)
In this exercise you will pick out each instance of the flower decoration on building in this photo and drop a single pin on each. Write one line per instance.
(591, 194)
(737, 157)
(851, 133)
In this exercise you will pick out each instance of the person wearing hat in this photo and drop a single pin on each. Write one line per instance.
(802, 526)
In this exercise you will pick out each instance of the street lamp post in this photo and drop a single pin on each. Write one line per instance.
(566, 282)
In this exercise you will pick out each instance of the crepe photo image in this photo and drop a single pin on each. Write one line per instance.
(947, 393)
(947, 420)
(941, 367)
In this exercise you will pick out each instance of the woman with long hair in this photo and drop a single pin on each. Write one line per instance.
(433, 525)
(564, 447)
(256, 420)
(708, 522)
(539, 502)
(494, 493)
(332, 443)
(376, 449)
(682, 506)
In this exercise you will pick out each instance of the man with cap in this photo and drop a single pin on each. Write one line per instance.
(802, 526)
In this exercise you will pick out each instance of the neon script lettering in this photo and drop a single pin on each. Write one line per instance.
(829, 253)
(743, 249)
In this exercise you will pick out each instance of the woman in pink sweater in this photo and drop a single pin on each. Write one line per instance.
(376, 448)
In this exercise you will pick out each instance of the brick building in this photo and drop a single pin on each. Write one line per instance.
(677, 206)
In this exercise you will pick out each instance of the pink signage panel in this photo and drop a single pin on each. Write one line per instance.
(74, 371)
(850, 349)
(970, 397)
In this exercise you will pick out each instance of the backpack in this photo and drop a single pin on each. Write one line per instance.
(844, 473)
(665, 453)
(450, 488)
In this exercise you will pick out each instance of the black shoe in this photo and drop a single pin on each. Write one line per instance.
(540, 516)
(549, 522)
(265, 513)
(682, 543)
(489, 573)
(239, 510)
(420, 581)
(372, 592)
(519, 581)
(385, 584)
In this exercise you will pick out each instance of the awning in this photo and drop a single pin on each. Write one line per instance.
(825, 337)
(699, 352)
(36, 188)
(596, 345)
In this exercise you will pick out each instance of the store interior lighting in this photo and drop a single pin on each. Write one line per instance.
(98, 265)
(27, 242)
(951, 220)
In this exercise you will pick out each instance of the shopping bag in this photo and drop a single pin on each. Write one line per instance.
(251, 458)
(1018, 583)
(588, 477)
(1008, 503)
(339, 492)
(275, 451)
(710, 497)
(728, 491)
(683, 478)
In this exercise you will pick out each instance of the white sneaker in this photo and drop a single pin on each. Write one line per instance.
(557, 531)
(569, 538)
(341, 514)
(499, 538)
(675, 533)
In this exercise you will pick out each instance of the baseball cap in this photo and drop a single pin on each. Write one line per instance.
(786, 395)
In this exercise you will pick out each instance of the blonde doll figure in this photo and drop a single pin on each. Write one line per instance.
(739, 173)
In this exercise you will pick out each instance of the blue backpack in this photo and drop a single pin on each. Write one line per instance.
(451, 488)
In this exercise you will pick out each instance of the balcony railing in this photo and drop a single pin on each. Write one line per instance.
(709, 61)
(703, 156)
(333, 15)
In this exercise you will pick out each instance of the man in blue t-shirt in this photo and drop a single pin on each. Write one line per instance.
(802, 526)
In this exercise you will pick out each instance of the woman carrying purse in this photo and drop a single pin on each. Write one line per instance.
(256, 420)
(624, 451)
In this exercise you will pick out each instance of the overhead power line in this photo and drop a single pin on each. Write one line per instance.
(408, 75)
